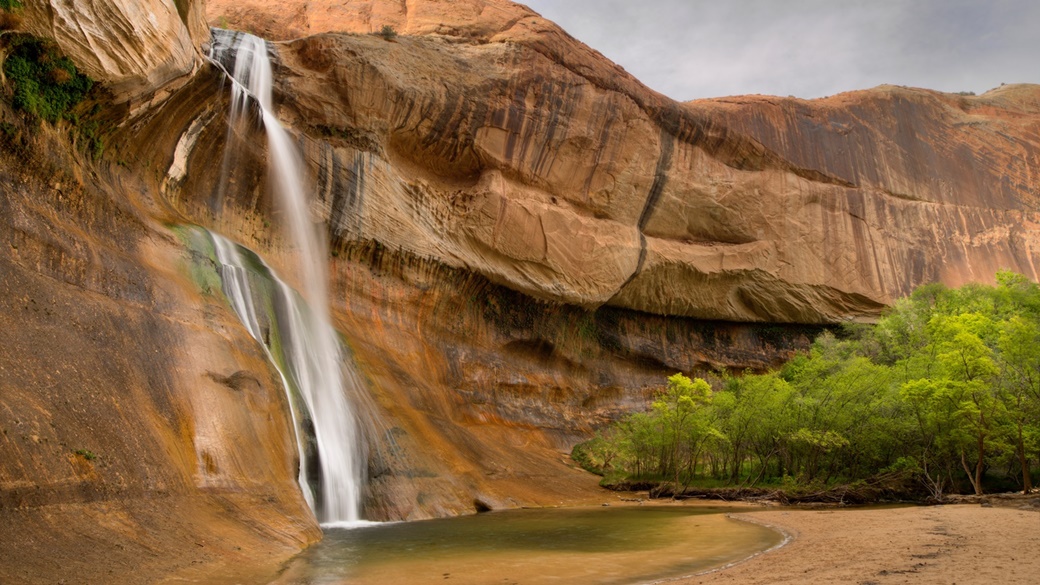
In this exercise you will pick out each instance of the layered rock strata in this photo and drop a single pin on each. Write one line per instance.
(498, 144)
(478, 391)
(134, 47)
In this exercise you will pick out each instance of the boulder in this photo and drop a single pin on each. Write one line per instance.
(133, 47)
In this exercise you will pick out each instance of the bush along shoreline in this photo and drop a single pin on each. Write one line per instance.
(939, 398)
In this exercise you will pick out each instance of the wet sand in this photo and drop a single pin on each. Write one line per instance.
(951, 544)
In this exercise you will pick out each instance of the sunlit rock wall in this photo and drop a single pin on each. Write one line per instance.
(486, 138)
(143, 431)
(134, 47)
(478, 390)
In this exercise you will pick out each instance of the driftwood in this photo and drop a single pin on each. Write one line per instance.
(886, 487)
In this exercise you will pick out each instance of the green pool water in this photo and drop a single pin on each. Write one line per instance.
(606, 545)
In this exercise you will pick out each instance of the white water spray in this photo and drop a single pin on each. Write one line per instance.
(313, 359)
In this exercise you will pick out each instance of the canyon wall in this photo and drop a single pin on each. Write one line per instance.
(478, 390)
(499, 144)
(144, 431)
(145, 434)
(134, 47)
(525, 241)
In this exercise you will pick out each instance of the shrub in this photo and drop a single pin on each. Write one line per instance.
(387, 32)
(9, 21)
(86, 454)
(46, 83)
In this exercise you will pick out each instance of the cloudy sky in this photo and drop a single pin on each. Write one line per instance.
(690, 49)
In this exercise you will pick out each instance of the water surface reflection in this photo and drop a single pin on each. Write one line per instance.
(612, 545)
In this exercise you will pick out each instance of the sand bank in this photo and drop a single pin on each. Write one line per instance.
(952, 544)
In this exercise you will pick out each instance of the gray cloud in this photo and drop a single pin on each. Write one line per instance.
(691, 49)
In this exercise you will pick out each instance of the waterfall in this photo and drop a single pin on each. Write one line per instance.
(313, 362)
(238, 288)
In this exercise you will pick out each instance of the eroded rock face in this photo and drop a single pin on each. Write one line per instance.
(475, 20)
(485, 390)
(477, 391)
(133, 47)
(485, 144)
(486, 138)
(145, 433)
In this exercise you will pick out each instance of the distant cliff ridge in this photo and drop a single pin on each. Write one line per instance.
(524, 243)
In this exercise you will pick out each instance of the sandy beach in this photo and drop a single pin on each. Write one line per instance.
(951, 544)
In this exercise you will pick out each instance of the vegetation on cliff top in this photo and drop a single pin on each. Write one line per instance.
(388, 32)
(943, 390)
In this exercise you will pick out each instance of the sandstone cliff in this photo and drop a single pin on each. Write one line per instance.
(144, 432)
(532, 232)
(526, 241)
(134, 47)
(567, 180)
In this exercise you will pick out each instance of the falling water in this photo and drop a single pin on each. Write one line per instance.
(239, 290)
(313, 359)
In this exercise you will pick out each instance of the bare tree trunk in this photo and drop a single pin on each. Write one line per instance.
(973, 476)
(979, 464)
(935, 486)
(762, 470)
(1027, 481)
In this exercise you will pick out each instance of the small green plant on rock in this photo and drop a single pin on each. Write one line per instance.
(90, 133)
(45, 83)
(387, 32)
(86, 454)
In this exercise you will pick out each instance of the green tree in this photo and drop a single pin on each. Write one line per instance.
(754, 417)
(947, 382)
(902, 333)
(677, 409)
(934, 404)
(644, 441)
(958, 408)
(1019, 343)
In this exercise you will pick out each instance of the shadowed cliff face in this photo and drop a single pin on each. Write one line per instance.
(484, 391)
